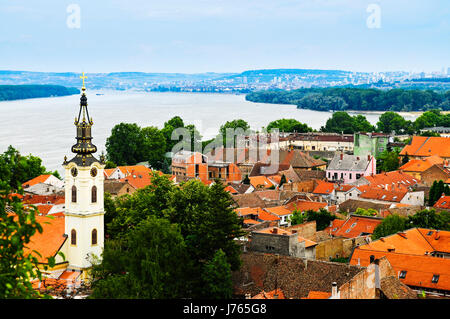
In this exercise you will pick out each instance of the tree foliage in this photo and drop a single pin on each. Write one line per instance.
(288, 125)
(206, 222)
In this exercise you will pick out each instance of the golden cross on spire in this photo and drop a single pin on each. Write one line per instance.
(83, 77)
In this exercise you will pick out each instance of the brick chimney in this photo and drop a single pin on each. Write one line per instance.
(342, 156)
(275, 231)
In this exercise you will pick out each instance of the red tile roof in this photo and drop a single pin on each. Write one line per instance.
(419, 269)
(303, 205)
(420, 165)
(426, 146)
(353, 226)
(396, 178)
(384, 195)
(50, 240)
(443, 202)
(274, 294)
(36, 180)
(43, 199)
(318, 295)
(324, 188)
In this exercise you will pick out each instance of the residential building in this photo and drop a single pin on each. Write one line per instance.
(354, 226)
(420, 258)
(436, 172)
(44, 185)
(315, 141)
(416, 167)
(279, 241)
(424, 146)
(370, 143)
(348, 169)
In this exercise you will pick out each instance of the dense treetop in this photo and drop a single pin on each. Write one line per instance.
(358, 99)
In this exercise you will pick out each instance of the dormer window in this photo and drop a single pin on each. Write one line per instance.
(435, 279)
(402, 274)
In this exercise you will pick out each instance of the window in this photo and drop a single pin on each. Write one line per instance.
(94, 194)
(94, 237)
(429, 233)
(435, 279)
(402, 274)
(74, 194)
(73, 237)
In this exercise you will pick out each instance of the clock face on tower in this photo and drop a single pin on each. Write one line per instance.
(93, 172)
(74, 171)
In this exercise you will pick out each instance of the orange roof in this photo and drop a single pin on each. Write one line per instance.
(44, 209)
(318, 295)
(384, 195)
(308, 243)
(304, 205)
(443, 202)
(255, 181)
(415, 241)
(323, 187)
(251, 221)
(279, 210)
(231, 190)
(419, 269)
(266, 216)
(421, 165)
(353, 226)
(258, 211)
(427, 146)
(274, 294)
(43, 199)
(396, 178)
(344, 188)
(139, 179)
(50, 240)
(36, 180)
(275, 178)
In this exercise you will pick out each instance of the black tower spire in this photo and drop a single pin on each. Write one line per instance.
(84, 147)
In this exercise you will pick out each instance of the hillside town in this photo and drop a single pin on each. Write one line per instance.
(312, 222)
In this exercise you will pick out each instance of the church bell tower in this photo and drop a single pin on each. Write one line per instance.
(84, 210)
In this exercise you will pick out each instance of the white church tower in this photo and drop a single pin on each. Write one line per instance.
(84, 209)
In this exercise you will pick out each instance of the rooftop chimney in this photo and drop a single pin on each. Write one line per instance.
(342, 156)
(372, 258)
(275, 231)
(334, 289)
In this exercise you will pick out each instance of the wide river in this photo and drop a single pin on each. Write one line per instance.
(45, 127)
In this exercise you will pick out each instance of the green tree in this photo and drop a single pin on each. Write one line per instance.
(18, 266)
(126, 145)
(426, 219)
(216, 276)
(288, 125)
(155, 148)
(391, 121)
(233, 125)
(436, 190)
(149, 262)
(322, 217)
(390, 225)
(297, 218)
(388, 161)
(366, 212)
(16, 169)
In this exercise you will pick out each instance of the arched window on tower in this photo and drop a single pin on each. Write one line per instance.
(94, 237)
(74, 194)
(73, 237)
(94, 194)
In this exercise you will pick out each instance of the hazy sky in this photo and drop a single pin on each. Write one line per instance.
(224, 35)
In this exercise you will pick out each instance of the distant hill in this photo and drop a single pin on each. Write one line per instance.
(19, 92)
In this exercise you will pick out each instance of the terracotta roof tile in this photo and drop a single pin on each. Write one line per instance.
(36, 180)
(427, 146)
(443, 202)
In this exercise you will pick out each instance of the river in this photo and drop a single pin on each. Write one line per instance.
(44, 127)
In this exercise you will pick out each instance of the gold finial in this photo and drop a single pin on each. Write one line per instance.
(83, 77)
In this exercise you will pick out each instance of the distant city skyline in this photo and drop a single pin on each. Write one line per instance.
(185, 36)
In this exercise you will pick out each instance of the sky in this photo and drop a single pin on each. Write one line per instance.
(187, 36)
